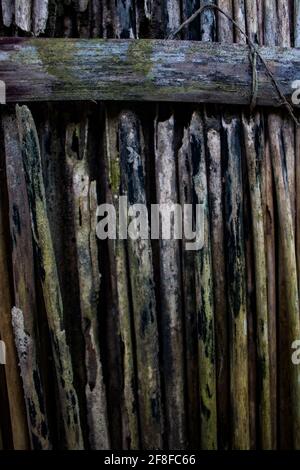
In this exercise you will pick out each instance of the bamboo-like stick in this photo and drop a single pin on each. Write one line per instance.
(170, 294)
(236, 290)
(289, 265)
(205, 294)
(140, 272)
(215, 194)
(16, 403)
(84, 206)
(189, 298)
(49, 278)
(254, 145)
(24, 318)
(118, 261)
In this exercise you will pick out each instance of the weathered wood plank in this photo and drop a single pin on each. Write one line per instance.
(141, 70)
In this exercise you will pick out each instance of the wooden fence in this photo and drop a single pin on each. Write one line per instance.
(141, 344)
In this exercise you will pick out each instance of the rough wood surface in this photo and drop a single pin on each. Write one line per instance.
(205, 295)
(216, 205)
(25, 310)
(141, 70)
(170, 294)
(189, 296)
(49, 277)
(132, 170)
(120, 288)
(236, 272)
(289, 266)
(84, 206)
(15, 401)
(254, 154)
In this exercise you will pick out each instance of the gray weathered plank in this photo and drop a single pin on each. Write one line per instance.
(143, 70)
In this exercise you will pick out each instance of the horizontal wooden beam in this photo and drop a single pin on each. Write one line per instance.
(142, 70)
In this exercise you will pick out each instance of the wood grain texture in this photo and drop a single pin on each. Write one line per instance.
(170, 293)
(25, 311)
(48, 276)
(84, 206)
(15, 401)
(141, 70)
(139, 252)
(120, 289)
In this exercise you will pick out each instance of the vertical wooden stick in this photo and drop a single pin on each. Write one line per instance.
(189, 298)
(8, 9)
(23, 14)
(216, 205)
(205, 294)
(170, 296)
(40, 16)
(85, 205)
(118, 260)
(236, 273)
(24, 316)
(49, 277)
(289, 261)
(142, 287)
(254, 146)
